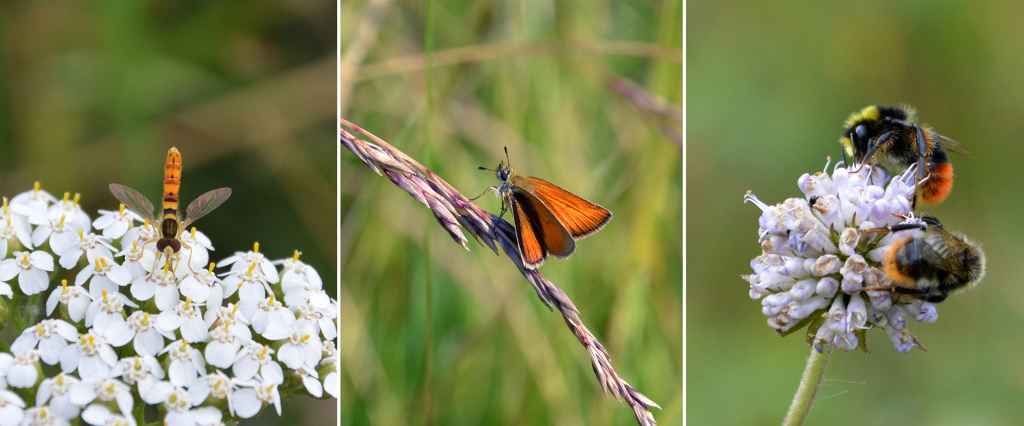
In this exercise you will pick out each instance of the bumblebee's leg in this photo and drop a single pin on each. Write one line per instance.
(881, 231)
(929, 295)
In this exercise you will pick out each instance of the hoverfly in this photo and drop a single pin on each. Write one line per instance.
(171, 223)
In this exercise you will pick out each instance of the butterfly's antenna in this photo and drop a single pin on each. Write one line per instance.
(507, 159)
(484, 168)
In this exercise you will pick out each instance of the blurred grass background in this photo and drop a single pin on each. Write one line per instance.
(437, 335)
(95, 92)
(769, 88)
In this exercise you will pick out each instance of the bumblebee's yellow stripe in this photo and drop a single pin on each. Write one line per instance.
(172, 181)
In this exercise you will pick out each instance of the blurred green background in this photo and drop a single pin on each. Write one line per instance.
(769, 88)
(434, 334)
(95, 92)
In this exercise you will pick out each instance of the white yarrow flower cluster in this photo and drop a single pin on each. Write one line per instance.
(821, 252)
(126, 327)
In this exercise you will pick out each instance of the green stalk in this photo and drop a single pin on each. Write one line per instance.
(804, 398)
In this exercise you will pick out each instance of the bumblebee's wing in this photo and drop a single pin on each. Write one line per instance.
(949, 144)
(205, 204)
(135, 201)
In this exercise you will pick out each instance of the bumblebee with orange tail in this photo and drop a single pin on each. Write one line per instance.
(891, 138)
(928, 262)
(171, 223)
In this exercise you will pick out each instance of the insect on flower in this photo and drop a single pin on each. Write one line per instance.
(548, 218)
(171, 223)
(890, 137)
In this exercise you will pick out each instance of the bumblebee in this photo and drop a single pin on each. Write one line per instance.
(891, 138)
(930, 263)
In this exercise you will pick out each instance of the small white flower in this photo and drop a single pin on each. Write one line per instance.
(162, 283)
(145, 372)
(56, 393)
(74, 297)
(24, 373)
(203, 286)
(43, 416)
(252, 288)
(100, 415)
(272, 319)
(246, 262)
(148, 338)
(51, 336)
(222, 350)
(12, 408)
(13, 226)
(186, 363)
(187, 317)
(105, 274)
(106, 313)
(69, 208)
(30, 268)
(71, 246)
(91, 356)
(34, 203)
(179, 408)
(216, 386)
(248, 401)
(302, 347)
(297, 280)
(256, 358)
(114, 224)
(104, 389)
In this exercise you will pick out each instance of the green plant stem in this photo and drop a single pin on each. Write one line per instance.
(804, 398)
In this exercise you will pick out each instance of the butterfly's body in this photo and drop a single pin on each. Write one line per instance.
(171, 223)
(548, 219)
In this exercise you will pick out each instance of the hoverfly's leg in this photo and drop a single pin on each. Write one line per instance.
(156, 262)
(189, 263)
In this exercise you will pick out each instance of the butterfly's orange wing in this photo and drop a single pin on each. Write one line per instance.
(531, 249)
(579, 216)
(555, 237)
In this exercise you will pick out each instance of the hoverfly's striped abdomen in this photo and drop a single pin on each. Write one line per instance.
(172, 182)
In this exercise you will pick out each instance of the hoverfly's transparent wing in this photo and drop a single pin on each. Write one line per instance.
(135, 201)
(205, 204)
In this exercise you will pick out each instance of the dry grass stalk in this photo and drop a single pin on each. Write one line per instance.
(669, 117)
(455, 212)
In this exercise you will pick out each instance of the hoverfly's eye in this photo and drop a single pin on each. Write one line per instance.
(861, 131)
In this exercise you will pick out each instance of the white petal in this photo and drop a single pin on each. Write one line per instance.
(96, 415)
(245, 403)
(194, 330)
(182, 374)
(118, 333)
(191, 287)
(69, 259)
(50, 349)
(82, 393)
(332, 384)
(25, 342)
(290, 355)
(42, 260)
(8, 269)
(69, 359)
(166, 297)
(168, 321)
(154, 391)
(52, 301)
(22, 376)
(313, 386)
(92, 367)
(33, 281)
(245, 368)
(148, 342)
(77, 307)
(120, 275)
(220, 355)
(143, 289)
(272, 373)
